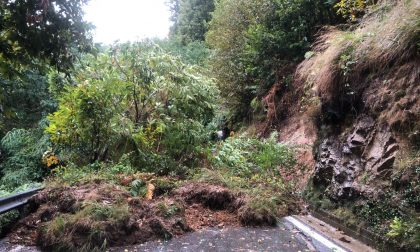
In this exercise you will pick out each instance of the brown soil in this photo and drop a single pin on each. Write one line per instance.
(198, 206)
(199, 217)
(299, 131)
(211, 196)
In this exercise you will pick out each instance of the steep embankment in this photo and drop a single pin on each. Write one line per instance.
(360, 89)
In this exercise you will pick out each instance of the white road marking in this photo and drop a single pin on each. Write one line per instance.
(310, 232)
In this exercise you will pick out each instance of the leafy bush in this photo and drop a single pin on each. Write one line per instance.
(138, 188)
(254, 167)
(190, 19)
(405, 233)
(353, 9)
(24, 99)
(88, 118)
(247, 157)
(137, 99)
(22, 164)
(253, 40)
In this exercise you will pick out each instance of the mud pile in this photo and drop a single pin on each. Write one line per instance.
(100, 215)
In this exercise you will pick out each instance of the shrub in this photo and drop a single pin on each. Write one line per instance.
(405, 233)
(247, 157)
(138, 188)
(353, 9)
(254, 40)
(22, 164)
(136, 99)
(87, 118)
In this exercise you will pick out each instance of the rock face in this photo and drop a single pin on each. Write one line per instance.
(366, 150)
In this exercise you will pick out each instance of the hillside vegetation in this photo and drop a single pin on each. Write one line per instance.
(248, 112)
(366, 81)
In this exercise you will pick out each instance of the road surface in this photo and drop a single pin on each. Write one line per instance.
(293, 234)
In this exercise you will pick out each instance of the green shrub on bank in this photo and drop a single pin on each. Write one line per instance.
(405, 233)
(247, 156)
(22, 164)
(135, 99)
(256, 168)
(254, 40)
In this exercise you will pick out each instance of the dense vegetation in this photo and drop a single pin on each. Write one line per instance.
(136, 113)
(256, 42)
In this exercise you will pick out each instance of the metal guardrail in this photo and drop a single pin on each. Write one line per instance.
(16, 201)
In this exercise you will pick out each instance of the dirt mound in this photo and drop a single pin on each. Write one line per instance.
(233, 204)
(83, 217)
(199, 217)
(99, 215)
(250, 217)
(211, 196)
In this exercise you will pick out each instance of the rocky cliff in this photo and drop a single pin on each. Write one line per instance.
(361, 94)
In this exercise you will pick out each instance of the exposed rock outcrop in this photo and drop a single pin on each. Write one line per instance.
(366, 148)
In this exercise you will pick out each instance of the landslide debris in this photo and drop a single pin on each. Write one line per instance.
(97, 215)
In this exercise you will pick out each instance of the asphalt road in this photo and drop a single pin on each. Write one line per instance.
(280, 238)
(285, 237)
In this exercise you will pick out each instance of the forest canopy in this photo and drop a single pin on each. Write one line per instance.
(50, 31)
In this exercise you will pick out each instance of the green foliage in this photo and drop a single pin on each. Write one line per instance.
(352, 9)
(250, 164)
(405, 233)
(374, 213)
(37, 38)
(254, 167)
(88, 117)
(52, 31)
(138, 188)
(190, 19)
(72, 174)
(23, 151)
(248, 156)
(24, 100)
(135, 98)
(254, 39)
(194, 53)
